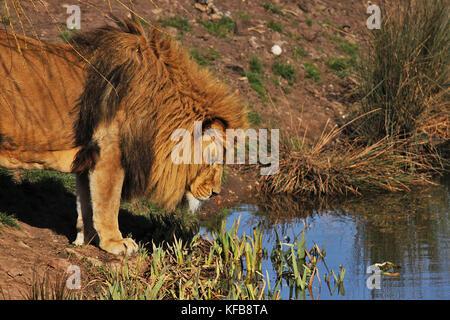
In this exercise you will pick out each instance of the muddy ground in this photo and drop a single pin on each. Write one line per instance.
(311, 33)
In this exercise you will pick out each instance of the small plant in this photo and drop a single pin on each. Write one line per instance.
(182, 24)
(352, 49)
(220, 28)
(298, 266)
(312, 72)
(4, 19)
(254, 118)
(256, 65)
(204, 59)
(256, 83)
(8, 220)
(244, 16)
(339, 65)
(254, 77)
(269, 6)
(275, 26)
(298, 52)
(66, 34)
(285, 70)
(349, 48)
(309, 22)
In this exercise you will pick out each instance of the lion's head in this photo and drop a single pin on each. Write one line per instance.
(148, 87)
(205, 185)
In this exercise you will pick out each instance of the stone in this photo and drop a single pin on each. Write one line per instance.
(253, 42)
(276, 50)
(201, 7)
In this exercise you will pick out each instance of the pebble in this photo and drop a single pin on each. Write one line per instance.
(276, 50)
(253, 42)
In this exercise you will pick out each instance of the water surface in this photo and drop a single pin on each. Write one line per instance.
(410, 230)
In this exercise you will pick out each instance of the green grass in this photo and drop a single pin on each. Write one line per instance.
(345, 65)
(66, 34)
(275, 26)
(221, 266)
(271, 7)
(256, 83)
(8, 220)
(255, 77)
(285, 70)
(311, 72)
(244, 16)
(220, 28)
(4, 19)
(254, 118)
(339, 65)
(256, 65)
(204, 57)
(181, 24)
(349, 48)
(309, 22)
(298, 52)
(67, 180)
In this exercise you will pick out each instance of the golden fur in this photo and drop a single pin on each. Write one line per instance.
(110, 120)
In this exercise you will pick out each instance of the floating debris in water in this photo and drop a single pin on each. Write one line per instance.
(388, 269)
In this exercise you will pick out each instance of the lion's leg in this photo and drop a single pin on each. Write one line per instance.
(105, 182)
(85, 226)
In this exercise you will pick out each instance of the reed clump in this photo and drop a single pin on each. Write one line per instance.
(399, 135)
(347, 169)
(405, 73)
(227, 266)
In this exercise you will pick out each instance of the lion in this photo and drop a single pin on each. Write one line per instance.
(103, 107)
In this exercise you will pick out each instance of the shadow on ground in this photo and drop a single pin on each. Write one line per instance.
(47, 203)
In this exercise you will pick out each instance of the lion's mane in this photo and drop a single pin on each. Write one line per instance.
(152, 87)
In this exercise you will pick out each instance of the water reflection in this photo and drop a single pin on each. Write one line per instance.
(411, 230)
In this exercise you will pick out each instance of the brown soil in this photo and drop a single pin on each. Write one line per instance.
(308, 105)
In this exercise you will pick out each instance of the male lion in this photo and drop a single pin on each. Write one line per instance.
(104, 107)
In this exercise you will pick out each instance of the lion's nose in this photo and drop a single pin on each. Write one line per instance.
(213, 194)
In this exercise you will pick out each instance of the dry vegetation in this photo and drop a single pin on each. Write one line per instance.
(400, 132)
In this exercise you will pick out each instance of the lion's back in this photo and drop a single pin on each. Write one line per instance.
(39, 87)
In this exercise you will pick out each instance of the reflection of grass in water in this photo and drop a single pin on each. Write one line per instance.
(393, 213)
(389, 226)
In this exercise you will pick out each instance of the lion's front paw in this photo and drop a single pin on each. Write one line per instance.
(79, 241)
(125, 246)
